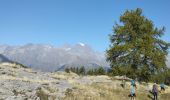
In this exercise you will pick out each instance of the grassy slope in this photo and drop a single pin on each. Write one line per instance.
(109, 91)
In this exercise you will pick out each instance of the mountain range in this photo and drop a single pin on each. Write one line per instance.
(50, 58)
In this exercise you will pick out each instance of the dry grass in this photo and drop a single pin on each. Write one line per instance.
(84, 87)
(107, 91)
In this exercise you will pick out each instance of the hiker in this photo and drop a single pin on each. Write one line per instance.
(133, 82)
(155, 91)
(162, 86)
(132, 92)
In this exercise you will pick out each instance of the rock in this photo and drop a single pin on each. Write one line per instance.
(18, 83)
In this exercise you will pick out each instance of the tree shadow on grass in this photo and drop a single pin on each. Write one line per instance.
(150, 95)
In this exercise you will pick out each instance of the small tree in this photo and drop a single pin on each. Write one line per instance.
(82, 70)
(100, 71)
(90, 72)
(67, 70)
(77, 71)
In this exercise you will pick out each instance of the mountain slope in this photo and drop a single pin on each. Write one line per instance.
(4, 59)
(49, 58)
(19, 83)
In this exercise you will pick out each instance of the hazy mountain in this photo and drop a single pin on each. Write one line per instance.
(50, 58)
(4, 59)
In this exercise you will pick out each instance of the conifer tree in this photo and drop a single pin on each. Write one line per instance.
(136, 47)
(100, 71)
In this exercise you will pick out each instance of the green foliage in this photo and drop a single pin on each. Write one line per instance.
(100, 71)
(161, 76)
(83, 71)
(77, 70)
(90, 72)
(20, 64)
(67, 70)
(136, 49)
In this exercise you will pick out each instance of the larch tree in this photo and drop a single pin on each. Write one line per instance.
(136, 48)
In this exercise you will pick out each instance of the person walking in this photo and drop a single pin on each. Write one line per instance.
(133, 91)
(155, 91)
(133, 82)
(162, 86)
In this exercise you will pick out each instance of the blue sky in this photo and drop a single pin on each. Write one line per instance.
(59, 22)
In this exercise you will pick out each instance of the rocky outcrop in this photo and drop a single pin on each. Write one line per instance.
(18, 83)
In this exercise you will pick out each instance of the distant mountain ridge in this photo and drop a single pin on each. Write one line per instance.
(50, 58)
(87, 66)
(4, 59)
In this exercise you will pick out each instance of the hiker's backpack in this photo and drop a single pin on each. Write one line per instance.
(154, 88)
(133, 82)
(162, 85)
